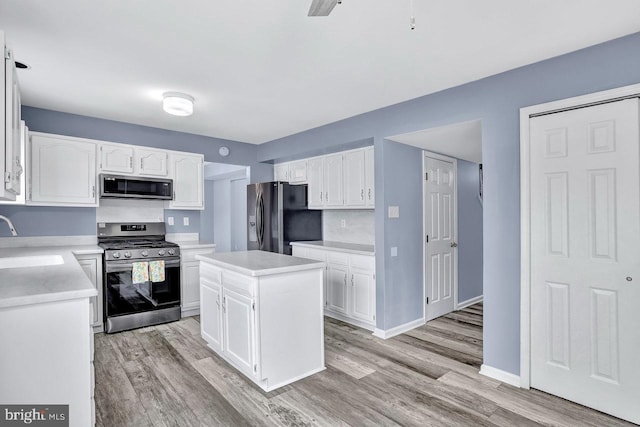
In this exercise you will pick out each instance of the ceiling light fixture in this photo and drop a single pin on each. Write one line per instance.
(178, 104)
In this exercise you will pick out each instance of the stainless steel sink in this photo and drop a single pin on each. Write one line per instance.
(30, 261)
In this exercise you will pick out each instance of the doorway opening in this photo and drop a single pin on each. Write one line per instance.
(223, 220)
(452, 215)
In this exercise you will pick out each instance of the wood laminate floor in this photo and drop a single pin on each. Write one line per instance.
(166, 376)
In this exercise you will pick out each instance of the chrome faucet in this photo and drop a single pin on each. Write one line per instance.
(10, 224)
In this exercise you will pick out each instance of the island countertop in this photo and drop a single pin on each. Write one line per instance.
(259, 263)
(338, 246)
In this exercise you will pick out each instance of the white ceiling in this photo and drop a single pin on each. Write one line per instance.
(260, 69)
(460, 140)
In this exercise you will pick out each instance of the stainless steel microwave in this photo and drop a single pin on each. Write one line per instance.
(133, 187)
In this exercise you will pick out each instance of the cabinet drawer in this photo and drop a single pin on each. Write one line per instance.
(189, 255)
(241, 284)
(362, 262)
(210, 273)
(337, 258)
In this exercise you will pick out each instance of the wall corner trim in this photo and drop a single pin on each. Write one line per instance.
(500, 375)
(469, 302)
(400, 329)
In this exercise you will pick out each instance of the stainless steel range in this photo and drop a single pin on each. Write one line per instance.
(141, 275)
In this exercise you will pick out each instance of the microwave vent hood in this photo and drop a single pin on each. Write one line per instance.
(134, 187)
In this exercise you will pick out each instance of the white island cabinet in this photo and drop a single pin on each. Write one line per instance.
(262, 313)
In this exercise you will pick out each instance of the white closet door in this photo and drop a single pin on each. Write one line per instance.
(585, 257)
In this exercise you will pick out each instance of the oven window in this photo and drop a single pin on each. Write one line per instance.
(123, 297)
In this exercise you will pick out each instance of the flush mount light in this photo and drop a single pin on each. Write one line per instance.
(178, 104)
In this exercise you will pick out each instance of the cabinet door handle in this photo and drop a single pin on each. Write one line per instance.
(352, 280)
(321, 196)
(93, 191)
(345, 279)
(369, 194)
(131, 162)
(362, 194)
(141, 163)
(218, 302)
(224, 304)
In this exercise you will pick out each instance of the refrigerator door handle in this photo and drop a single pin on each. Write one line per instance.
(260, 220)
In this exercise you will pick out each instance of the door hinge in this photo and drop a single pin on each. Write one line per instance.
(427, 238)
(7, 53)
(427, 300)
(7, 177)
(426, 176)
(255, 368)
(253, 306)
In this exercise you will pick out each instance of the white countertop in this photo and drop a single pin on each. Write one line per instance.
(195, 244)
(33, 285)
(338, 247)
(259, 263)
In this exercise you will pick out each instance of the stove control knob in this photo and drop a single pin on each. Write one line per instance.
(116, 255)
(144, 253)
(161, 252)
(127, 254)
(172, 252)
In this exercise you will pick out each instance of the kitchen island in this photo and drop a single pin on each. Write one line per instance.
(263, 313)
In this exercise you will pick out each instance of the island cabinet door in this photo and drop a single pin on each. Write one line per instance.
(211, 313)
(239, 331)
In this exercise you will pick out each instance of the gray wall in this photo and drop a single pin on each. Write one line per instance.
(58, 221)
(206, 216)
(496, 101)
(469, 232)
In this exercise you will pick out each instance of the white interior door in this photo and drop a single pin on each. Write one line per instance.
(585, 258)
(440, 253)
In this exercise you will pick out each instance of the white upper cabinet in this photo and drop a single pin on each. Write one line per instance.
(298, 172)
(315, 190)
(333, 181)
(151, 162)
(116, 158)
(188, 181)
(354, 185)
(291, 172)
(63, 171)
(369, 177)
(10, 148)
(281, 172)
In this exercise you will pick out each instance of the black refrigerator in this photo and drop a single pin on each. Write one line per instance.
(277, 214)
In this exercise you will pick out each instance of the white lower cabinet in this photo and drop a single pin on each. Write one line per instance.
(50, 358)
(238, 312)
(349, 287)
(211, 313)
(268, 327)
(190, 278)
(92, 266)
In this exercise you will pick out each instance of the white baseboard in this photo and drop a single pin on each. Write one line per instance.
(500, 375)
(350, 320)
(470, 301)
(388, 333)
(190, 311)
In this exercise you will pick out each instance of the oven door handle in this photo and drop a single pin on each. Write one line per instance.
(111, 267)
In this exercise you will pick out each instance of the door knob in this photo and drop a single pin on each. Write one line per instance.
(454, 245)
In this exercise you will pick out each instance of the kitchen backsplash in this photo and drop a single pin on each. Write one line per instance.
(358, 226)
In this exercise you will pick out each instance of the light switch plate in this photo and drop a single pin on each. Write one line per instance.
(170, 220)
(185, 220)
(394, 211)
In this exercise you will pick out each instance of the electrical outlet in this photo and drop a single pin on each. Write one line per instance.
(170, 220)
(394, 251)
(394, 211)
(343, 223)
(185, 220)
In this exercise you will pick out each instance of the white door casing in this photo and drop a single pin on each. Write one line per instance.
(440, 228)
(585, 234)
